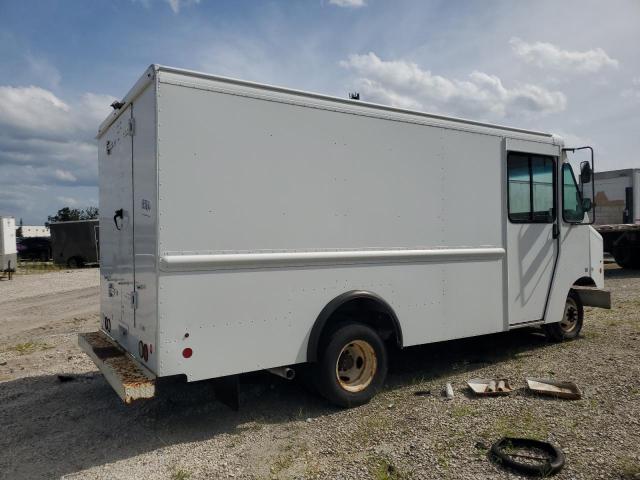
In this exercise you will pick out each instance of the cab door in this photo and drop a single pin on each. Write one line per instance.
(532, 231)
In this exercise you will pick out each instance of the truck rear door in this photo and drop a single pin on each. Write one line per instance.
(117, 298)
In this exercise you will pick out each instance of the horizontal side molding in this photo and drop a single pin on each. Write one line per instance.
(218, 261)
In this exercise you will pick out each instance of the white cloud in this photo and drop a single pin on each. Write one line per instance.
(348, 3)
(69, 201)
(64, 175)
(405, 84)
(634, 91)
(547, 55)
(33, 109)
(35, 112)
(176, 5)
(42, 69)
(47, 142)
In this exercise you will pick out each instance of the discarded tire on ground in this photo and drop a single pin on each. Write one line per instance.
(539, 458)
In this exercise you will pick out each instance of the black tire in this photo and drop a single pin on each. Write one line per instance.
(337, 353)
(569, 327)
(75, 262)
(555, 457)
(623, 255)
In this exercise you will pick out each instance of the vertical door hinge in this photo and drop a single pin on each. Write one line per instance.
(132, 127)
(134, 300)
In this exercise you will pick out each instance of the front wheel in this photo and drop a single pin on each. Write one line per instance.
(569, 327)
(352, 366)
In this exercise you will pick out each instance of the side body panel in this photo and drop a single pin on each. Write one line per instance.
(248, 176)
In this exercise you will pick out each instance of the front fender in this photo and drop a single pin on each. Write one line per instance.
(596, 255)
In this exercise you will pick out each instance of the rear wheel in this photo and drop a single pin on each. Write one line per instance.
(352, 366)
(570, 325)
(623, 256)
(75, 262)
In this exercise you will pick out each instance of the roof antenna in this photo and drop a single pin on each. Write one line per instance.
(117, 105)
(354, 96)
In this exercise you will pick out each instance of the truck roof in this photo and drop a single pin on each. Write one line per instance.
(374, 108)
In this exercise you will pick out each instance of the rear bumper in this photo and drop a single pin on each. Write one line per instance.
(129, 378)
(593, 296)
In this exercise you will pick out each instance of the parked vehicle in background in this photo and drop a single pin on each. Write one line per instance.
(617, 214)
(34, 231)
(75, 243)
(34, 248)
(8, 252)
(249, 227)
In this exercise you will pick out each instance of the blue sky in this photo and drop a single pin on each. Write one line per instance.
(570, 67)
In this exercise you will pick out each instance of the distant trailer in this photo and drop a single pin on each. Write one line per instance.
(617, 214)
(8, 251)
(76, 243)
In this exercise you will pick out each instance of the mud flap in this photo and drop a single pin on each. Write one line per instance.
(227, 391)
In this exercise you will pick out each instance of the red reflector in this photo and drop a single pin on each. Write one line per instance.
(187, 352)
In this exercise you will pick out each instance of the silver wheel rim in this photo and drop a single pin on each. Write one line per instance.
(570, 317)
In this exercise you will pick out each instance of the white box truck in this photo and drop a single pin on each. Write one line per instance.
(8, 249)
(248, 227)
(617, 214)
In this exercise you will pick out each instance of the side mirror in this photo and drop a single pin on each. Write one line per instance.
(587, 204)
(585, 173)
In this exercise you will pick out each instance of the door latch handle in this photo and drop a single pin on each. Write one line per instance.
(119, 213)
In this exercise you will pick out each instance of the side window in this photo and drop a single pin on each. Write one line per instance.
(530, 188)
(572, 210)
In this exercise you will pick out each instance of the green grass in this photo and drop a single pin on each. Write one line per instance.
(630, 469)
(26, 268)
(28, 347)
(281, 462)
(180, 474)
(371, 428)
(460, 411)
(522, 424)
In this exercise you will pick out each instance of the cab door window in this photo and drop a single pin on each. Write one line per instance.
(531, 186)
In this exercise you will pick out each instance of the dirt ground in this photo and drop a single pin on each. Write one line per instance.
(80, 429)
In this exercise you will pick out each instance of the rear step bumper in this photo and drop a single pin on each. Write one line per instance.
(129, 378)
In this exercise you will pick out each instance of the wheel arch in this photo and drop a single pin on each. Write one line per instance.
(360, 300)
(585, 282)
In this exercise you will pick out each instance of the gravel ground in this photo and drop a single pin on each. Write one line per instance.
(80, 429)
